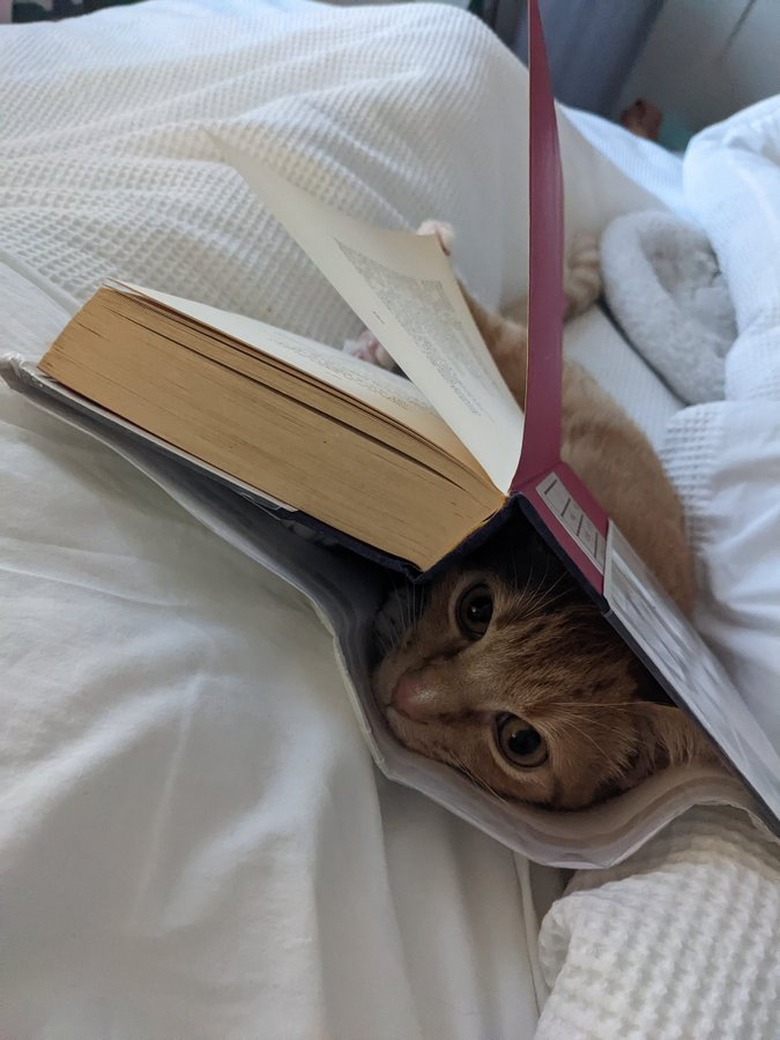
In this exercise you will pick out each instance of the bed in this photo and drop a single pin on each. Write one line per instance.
(193, 839)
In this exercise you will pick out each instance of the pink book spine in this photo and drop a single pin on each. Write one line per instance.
(576, 520)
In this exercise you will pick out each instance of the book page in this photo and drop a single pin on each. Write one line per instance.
(402, 287)
(381, 391)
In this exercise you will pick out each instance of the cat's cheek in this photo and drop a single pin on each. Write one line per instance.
(385, 678)
(536, 786)
(403, 730)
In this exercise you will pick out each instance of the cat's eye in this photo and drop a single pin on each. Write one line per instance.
(519, 742)
(474, 611)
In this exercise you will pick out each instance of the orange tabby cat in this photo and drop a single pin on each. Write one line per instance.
(503, 668)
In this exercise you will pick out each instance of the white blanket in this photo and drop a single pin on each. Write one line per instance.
(193, 840)
(726, 456)
(662, 283)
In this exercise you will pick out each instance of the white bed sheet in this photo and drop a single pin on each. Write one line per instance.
(594, 341)
(193, 840)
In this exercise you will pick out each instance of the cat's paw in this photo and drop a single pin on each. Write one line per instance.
(368, 348)
(443, 231)
(582, 273)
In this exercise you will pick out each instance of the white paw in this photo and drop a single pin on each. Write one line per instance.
(368, 348)
(443, 231)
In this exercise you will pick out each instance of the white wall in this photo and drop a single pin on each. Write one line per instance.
(705, 59)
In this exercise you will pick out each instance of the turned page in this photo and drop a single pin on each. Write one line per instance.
(402, 288)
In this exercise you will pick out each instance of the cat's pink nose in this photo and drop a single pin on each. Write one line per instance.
(412, 697)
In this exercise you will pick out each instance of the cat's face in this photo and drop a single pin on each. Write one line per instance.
(505, 671)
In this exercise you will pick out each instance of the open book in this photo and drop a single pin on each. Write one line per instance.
(366, 455)
(409, 469)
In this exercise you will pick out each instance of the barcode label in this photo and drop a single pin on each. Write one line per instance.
(579, 525)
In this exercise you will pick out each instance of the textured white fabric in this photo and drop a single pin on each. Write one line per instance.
(725, 457)
(679, 943)
(663, 285)
(396, 114)
(594, 341)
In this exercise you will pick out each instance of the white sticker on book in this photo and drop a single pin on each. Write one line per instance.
(694, 672)
(649, 616)
(579, 525)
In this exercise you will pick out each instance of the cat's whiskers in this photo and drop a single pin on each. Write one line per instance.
(460, 764)
(410, 608)
(598, 705)
(400, 615)
(478, 780)
(569, 719)
(545, 591)
(530, 596)
(384, 643)
(585, 711)
(604, 725)
(545, 597)
(417, 605)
